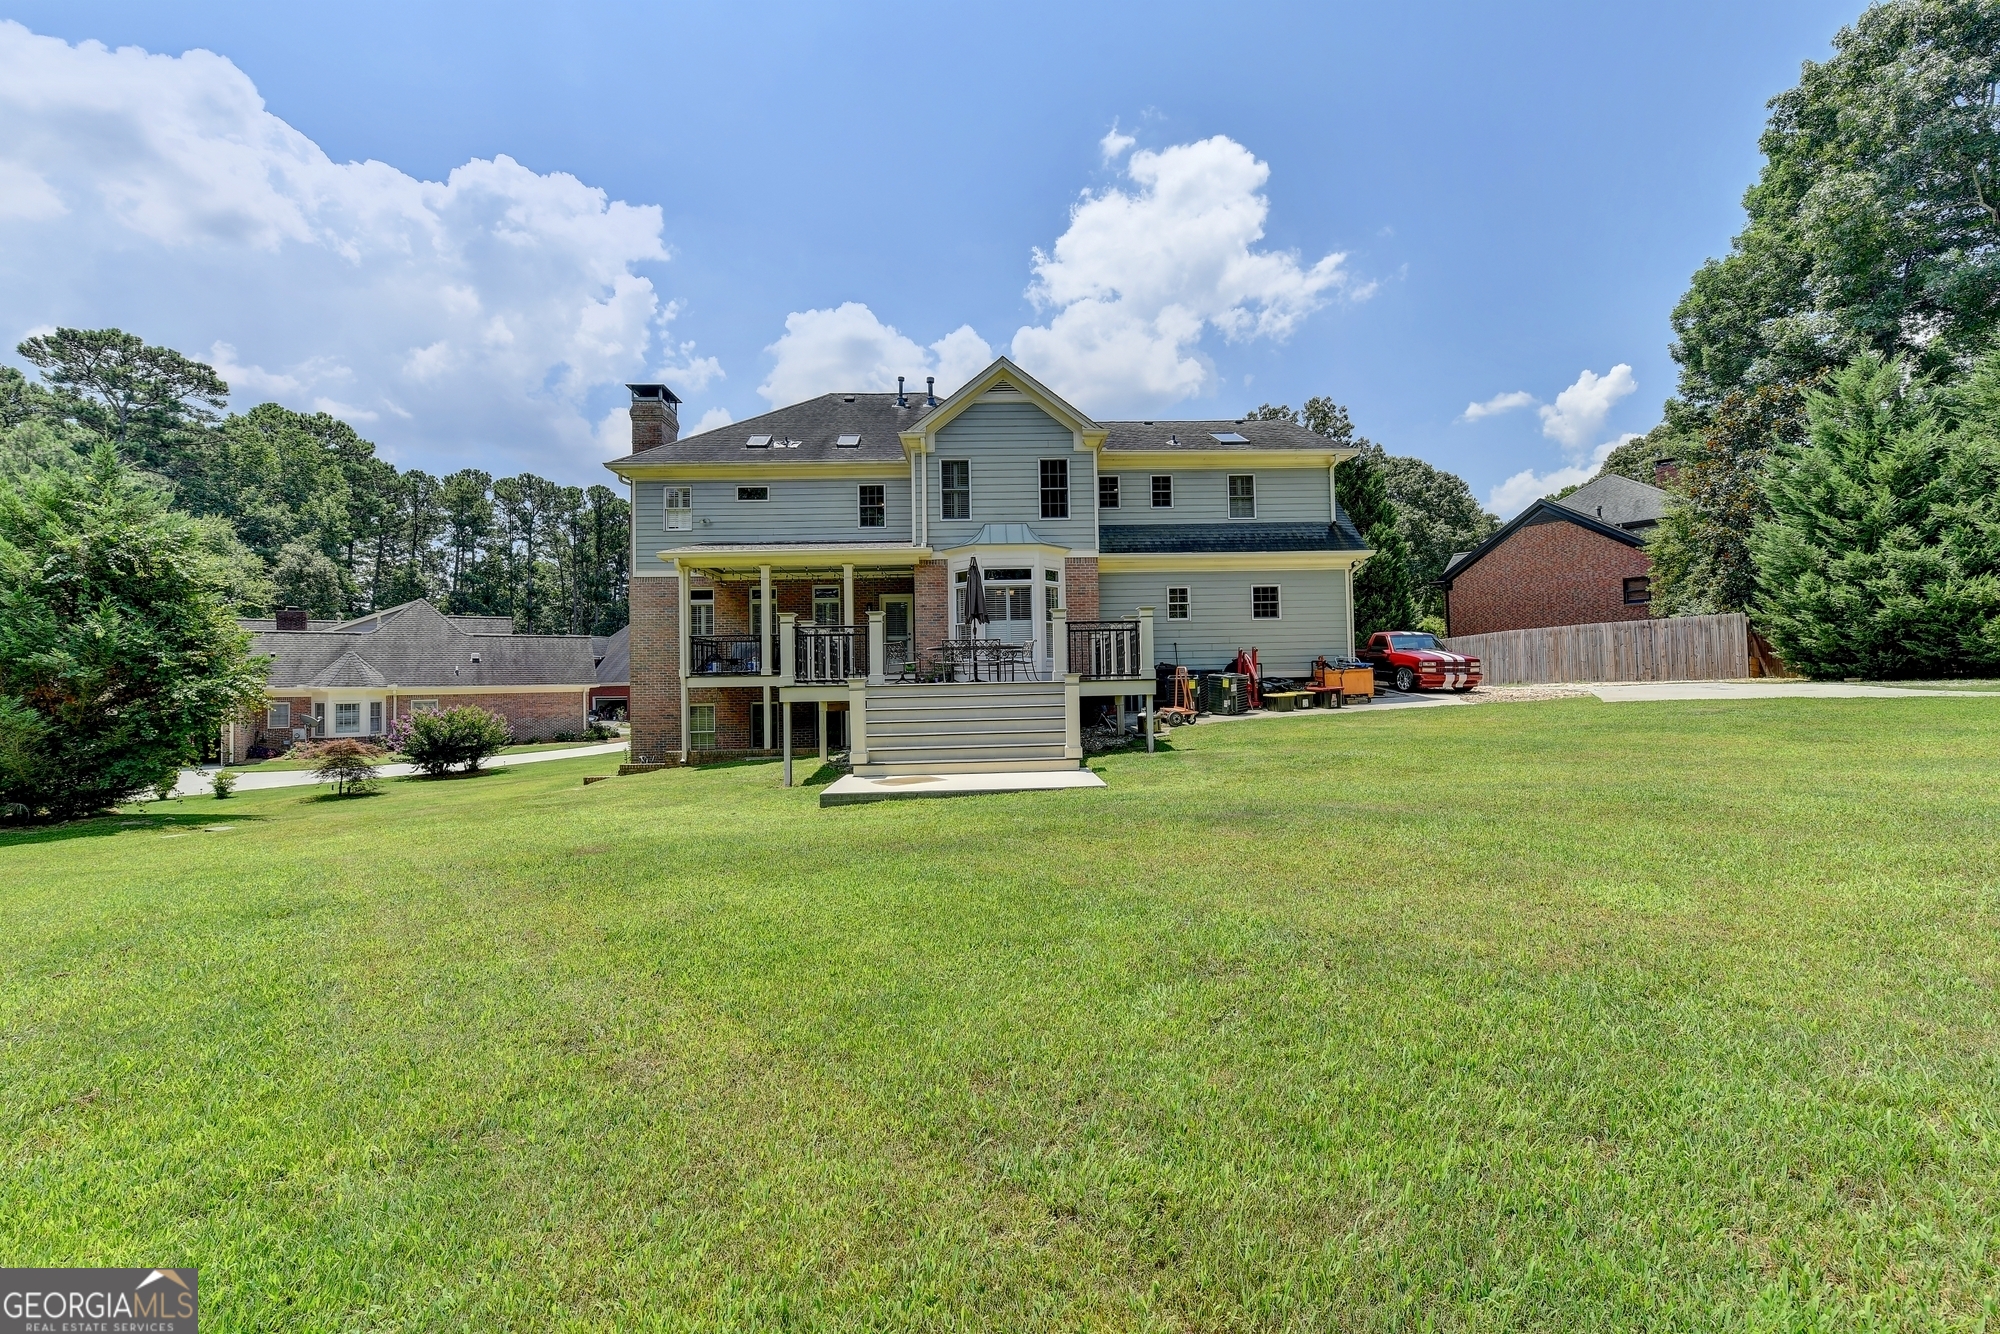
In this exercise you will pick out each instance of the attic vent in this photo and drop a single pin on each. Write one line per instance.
(1230, 438)
(758, 442)
(475, 655)
(848, 398)
(848, 442)
(1002, 387)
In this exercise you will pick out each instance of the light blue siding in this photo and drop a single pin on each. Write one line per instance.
(1201, 495)
(799, 510)
(1004, 443)
(1313, 620)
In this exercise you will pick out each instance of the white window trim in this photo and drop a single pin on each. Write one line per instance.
(1279, 589)
(338, 730)
(1152, 493)
(1117, 492)
(668, 509)
(1187, 602)
(1040, 490)
(423, 706)
(711, 730)
(945, 491)
(1230, 500)
(859, 505)
(271, 722)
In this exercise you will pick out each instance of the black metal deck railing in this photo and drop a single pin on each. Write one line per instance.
(725, 655)
(1104, 650)
(830, 653)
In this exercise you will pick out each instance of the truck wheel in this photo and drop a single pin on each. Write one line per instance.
(1406, 680)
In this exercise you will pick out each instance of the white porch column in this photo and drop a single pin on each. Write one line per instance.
(1145, 664)
(1073, 717)
(788, 649)
(1059, 643)
(684, 575)
(876, 647)
(847, 595)
(857, 721)
(765, 623)
(820, 713)
(787, 710)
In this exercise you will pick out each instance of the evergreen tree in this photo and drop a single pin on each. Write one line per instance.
(119, 655)
(1881, 553)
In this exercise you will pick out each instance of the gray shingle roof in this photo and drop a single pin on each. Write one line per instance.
(417, 647)
(1135, 538)
(1618, 501)
(614, 664)
(818, 423)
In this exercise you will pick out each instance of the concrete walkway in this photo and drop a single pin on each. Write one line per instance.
(851, 791)
(1641, 691)
(200, 782)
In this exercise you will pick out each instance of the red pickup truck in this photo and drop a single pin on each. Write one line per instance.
(1412, 660)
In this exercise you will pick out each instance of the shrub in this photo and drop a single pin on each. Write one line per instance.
(562, 736)
(349, 765)
(600, 732)
(224, 783)
(452, 738)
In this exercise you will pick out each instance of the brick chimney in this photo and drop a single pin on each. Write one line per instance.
(656, 419)
(292, 618)
(1666, 472)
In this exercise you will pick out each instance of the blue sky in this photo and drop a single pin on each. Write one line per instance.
(1515, 198)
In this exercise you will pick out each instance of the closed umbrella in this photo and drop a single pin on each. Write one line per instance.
(975, 595)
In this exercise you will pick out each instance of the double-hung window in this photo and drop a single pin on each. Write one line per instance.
(346, 719)
(1163, 493)
(956, 491)
(1055, 488)
(1107, 493)
(375, 718)
(874, 507)
(1638, 590)
(701, 611)
(280, 717)
(701, 727)
(1177, 603)
(1242, 496)
(1264, 602)
(680, 508)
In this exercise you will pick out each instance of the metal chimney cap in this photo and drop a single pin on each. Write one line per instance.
(659, 391)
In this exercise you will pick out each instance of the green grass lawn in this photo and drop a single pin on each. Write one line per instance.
(282, 765)
(1541, 1016)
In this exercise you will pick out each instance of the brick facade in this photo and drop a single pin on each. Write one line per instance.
(535, 715)
(1547, 572)
(655, 708)
(1080, 589)
(933, 605)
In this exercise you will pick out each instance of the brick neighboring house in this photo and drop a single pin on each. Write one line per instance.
(354, 678)
(1580, 560)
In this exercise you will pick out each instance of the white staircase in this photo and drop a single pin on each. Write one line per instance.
(966, 728)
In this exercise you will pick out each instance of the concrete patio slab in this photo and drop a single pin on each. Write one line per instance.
(850, 791)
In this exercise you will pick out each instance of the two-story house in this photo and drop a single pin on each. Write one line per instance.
(811, 566)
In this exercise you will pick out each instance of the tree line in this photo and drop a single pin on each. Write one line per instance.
(318, 519)
(1834, 419)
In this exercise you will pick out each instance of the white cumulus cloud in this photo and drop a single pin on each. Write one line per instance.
(823, 351)
(1132, 287)
(1575, 419)
(1578, 413)
(1114, 144)
(1499, 403)
(1142, 273)
(468, 321)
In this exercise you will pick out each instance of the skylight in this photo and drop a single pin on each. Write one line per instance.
(848, 442)
(1230, 438)
(758, 442)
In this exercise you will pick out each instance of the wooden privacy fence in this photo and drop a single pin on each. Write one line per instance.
(1678, 648)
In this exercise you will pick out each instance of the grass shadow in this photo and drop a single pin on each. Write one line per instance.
(106, 826)
(347, 796)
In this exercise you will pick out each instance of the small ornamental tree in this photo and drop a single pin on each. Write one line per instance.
(346, 763)
(1881, 555)
(451, 739)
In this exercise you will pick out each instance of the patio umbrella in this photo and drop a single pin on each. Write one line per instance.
(975, 595)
